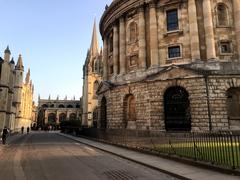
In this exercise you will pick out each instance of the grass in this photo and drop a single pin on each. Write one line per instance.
(220, 153)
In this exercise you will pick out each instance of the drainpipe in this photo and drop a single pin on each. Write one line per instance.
(208, 102)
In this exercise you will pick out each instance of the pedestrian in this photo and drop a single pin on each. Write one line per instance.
(22, 129)
(4, 135)
(28, 129)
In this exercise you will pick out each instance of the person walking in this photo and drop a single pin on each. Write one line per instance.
(22, 129)
(4, 135)
(28, 129)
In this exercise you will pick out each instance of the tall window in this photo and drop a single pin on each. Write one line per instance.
(174, 52)
(222, 14)
(111, 43)
(96, 65)
(172, 20)
(95, 87)
(133, 32)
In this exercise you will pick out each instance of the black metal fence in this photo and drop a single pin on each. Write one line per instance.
(217, 148)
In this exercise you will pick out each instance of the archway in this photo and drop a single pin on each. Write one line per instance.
(177, 109)
(52, 118)
(103, 122)
(62, 117)
(73, 117)
(233, 107)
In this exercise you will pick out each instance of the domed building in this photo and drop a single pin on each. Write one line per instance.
(170, 65)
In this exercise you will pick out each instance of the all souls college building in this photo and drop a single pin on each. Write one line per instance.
(171, 65)
(54, 111)
(16, 95)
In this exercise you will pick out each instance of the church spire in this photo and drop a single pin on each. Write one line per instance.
(19, 65)
(7, 54)
(94, 44)
(7, 50)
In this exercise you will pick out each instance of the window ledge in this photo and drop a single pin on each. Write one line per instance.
(179, 32)
(226, 54)
(227, 26)
(172, 60)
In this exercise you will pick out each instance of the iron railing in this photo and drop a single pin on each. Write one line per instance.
(217, 148)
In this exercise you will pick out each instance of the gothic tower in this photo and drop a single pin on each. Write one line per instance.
(4, 86)
(18, 88)
(91, 80)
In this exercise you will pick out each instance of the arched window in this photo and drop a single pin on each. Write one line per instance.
(233, 107)
(44, 106)
(61, 106)
(133, 32)
(69, 106)
(52, 106)
(222, 15)
(72, 117)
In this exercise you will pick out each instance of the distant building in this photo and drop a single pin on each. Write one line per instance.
(170, 65)
(54, 111)
(92, 77)
(16, 96)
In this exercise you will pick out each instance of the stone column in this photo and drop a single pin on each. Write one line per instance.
(208, 26)
(153, 35)
(236, 5)
(193, 26)
(122, 41)
(105, 59)
(115, 49)
(142, 38)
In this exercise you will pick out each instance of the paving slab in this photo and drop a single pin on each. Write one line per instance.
(169, 166)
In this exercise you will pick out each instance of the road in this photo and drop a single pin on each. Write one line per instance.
(49, 156)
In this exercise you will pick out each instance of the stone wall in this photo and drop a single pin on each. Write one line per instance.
(150, 102)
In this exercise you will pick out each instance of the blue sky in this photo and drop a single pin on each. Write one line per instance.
(53, 37)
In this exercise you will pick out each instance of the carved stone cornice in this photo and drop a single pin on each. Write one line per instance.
(117, 9)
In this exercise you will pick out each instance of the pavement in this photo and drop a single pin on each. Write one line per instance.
(10, 139)
(49, 156)
(171, 167)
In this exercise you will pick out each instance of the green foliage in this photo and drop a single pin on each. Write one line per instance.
(71, 123)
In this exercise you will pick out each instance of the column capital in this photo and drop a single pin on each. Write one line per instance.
(122, 19)
(141, 8)
(152, 4)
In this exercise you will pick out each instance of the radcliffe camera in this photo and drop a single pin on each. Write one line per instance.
(120, 90)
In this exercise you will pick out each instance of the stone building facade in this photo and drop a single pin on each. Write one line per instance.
(92, 76)
(15, 96)
(170, 65)
(54, 111)
(26, 118)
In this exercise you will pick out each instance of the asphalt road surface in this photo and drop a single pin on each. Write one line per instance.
(49, 156)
